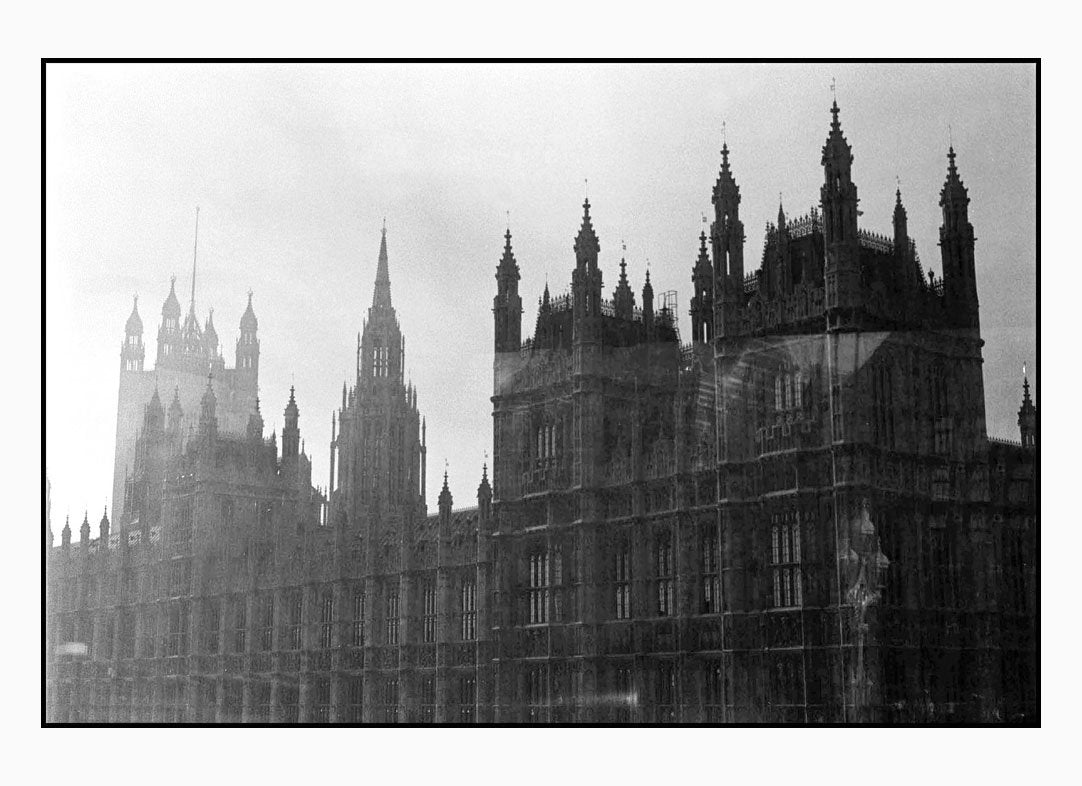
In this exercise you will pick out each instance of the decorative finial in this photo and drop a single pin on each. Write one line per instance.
(950, 136)
(508, 222)
(587, 189)
(385, 225)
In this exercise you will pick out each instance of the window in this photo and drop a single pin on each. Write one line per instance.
(107, 637)
(623, 697)
(326, 621)
(212, 622)
(429, 619)
(179, 578)
(261, 702)
(289, 703)
(126, 640)
(357, 631)
(942, 425)
(379, 362)
(176, 636)
(712, 699)
(622, 585)
(469, 611)
(240, 623)
(663, 566)
(355, 699)
(321, 700)
(428, 699)
(785, 560)
(537, 691)
(296, 611)
(711, 585)
(883, 407)
(392, 620)
(265, 617)
(390, 700)
(665, 692)
(539, 582)
(467, 697)
(150, 628)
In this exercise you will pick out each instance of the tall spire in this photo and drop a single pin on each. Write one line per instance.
(586, 243)
(381, 297)
(195, 255)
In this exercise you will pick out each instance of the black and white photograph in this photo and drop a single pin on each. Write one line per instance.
(555, 393)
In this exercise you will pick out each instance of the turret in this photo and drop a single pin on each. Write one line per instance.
(103, 529)
(507, 305)
(956, 247)
(176, 412)
(838, 200)
(169, 342)
(727, 231)
(623, 298)
(484, 495)
(248, 343)
(586, 281)
(208, 418)
(702, 302)
(648, 306)
(84, 532)
(132, 351)
(1027, 417)
(255, 424)
(903, 258)
(291, 433)
(445, 500)
(210, 337)
(154, 415)
(65, 535)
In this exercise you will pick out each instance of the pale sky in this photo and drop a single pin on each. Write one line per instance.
(294, 168)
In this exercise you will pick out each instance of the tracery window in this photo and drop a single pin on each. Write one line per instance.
(429, 619)
(469, 610)
(785, 560)
(622, 581)
(663, 567)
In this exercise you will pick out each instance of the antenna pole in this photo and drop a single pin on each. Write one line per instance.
(195, 252)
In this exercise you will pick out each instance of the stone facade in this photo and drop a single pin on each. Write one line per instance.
(796, 517)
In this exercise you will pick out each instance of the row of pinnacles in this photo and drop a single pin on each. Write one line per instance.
(188, 346)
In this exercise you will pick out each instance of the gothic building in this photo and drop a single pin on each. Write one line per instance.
(187, 352)
(795, 517)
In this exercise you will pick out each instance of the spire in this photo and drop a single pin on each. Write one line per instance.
(445, 498)
(781, 215)
(954, 192)
(176, 412)
(248, 322)
(84, 530)
(171, 307)
(255, 423)
(290, 431)
(103, 527)
(65, 534)
(1027, 415)
(208, 419)
(586, 243)
(134, 325)
(381, 297)
(484, 493)
(153, 414)
(623, 297)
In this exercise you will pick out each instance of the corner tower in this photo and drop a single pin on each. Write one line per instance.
(378, 452)
(838, 199)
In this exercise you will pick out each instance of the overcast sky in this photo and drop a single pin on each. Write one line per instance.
(294, 168)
